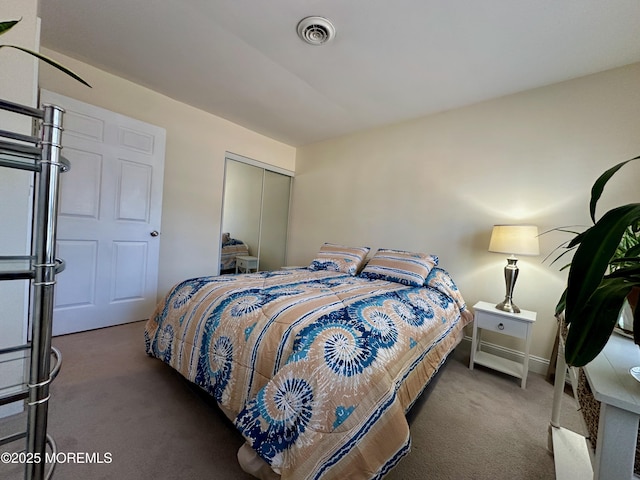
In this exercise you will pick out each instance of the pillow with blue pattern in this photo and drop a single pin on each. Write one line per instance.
(440, 279)
(407, 268)
(339, 258)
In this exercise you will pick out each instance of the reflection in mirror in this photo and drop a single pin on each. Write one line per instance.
(255, 215)
(275, 216)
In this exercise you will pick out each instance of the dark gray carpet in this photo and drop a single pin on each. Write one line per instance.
(110, 398)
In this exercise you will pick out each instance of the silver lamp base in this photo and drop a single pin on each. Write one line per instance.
(510, 277)
(508, 306)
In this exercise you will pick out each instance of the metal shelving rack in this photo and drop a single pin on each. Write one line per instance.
(40, 155)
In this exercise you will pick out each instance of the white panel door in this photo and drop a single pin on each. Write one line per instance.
(108, 217)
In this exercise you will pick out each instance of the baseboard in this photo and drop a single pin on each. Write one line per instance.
(536, 364)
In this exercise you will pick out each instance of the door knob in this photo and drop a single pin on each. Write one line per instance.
(155, 233)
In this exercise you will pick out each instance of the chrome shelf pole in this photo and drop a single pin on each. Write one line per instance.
(47, 197)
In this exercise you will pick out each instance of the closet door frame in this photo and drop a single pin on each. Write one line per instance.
(264, 167)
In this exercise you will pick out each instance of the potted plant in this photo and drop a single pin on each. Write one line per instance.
(5, 26)
(603, 274)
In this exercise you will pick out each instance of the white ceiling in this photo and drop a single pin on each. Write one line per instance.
(390, 60)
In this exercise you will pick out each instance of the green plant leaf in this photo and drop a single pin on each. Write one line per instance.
(634, 251)
(604, 269)
(566, 246)
(598, 186)
(592, 326)
(6, 26)
(591, 259)
(566, 252)
(51, 62)
(575, 241)
(628, 268)
(636, 324)
(563, 229)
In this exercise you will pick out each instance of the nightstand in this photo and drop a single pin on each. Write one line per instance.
(246, 263)
(520, 325)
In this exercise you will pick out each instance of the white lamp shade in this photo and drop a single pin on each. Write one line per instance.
(515, 240)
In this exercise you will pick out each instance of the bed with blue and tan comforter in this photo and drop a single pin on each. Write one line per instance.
(316, 368)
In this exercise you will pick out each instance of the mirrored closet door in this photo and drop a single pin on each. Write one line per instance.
(255, 215)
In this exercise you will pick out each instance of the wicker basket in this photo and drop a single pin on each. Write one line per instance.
(589, 407)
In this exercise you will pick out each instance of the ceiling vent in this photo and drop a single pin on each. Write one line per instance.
(316, 30)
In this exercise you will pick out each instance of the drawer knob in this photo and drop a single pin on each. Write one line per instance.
(501, 326)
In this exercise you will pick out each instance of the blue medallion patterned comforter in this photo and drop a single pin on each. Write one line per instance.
(316, 369)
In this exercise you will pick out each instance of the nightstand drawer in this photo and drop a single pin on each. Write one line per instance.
(502, 325)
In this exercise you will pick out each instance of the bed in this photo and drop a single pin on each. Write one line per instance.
(231, 248)
(316, 366)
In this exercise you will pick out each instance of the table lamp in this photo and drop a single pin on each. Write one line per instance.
(513, 240)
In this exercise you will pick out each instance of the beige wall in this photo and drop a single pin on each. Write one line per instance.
(18, 75)
(18, 84)
(194, 165)
(437, 184)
